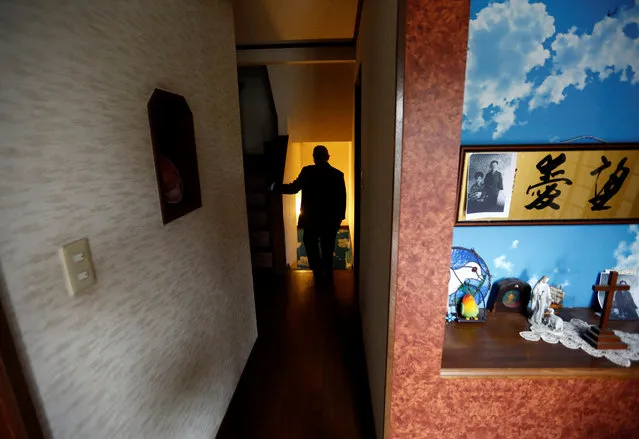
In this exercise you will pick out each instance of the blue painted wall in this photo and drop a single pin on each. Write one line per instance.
(545, 72)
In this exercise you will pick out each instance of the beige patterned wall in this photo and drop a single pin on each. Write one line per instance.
(156, 348)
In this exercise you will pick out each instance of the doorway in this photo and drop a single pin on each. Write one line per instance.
(18, 418)
(357, 174)
(307, 375)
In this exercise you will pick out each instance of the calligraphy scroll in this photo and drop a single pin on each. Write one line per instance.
(550, 184)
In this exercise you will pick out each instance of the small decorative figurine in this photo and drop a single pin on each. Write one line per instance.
(558, 294)
(469, 309)
(468, 275)
(553, 321)
(459, 276)
(540, 301)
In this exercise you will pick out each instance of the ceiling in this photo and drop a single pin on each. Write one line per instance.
(261, 22)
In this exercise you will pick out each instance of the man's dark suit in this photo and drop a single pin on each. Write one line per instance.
(322, 211)
(493, 183)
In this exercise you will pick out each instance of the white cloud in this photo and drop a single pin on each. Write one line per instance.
(503, 264)
(515, 244)
(605, 51)
(554, 139)
(627, 255)
(564, 284)
(505, 44)
(556, 270)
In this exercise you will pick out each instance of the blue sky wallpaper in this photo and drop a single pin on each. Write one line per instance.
(542, 72)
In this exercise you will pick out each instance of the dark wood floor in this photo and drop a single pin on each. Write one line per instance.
(306, 377)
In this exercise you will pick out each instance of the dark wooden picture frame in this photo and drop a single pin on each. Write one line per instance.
(498, 149)
(175, 155)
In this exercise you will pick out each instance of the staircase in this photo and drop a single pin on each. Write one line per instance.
(265, 213)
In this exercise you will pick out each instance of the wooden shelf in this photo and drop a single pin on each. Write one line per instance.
(495, 350)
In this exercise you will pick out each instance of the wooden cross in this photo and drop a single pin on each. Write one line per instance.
(602, 337)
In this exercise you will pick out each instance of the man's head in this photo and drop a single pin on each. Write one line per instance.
(320, 154)
(493, 165)
(479, 177)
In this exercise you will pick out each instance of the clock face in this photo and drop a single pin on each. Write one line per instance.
(511, 299)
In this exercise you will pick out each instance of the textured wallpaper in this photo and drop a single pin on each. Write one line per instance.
(155, 349)
(423, 404)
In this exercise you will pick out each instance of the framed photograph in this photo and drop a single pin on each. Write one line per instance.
(176, 168)
(489, 184)
(548, 184)
(625, 304)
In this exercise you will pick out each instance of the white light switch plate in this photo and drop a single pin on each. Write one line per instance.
(78, 266)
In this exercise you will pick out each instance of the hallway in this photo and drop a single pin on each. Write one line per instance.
(306, 376)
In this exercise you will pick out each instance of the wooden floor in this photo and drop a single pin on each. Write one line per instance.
(494, 348)
(306, 377)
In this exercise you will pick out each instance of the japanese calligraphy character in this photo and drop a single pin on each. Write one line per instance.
(611, 187)
(546, 198)
(548, 178)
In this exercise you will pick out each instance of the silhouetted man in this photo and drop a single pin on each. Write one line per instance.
(493, 183)
(322, 211)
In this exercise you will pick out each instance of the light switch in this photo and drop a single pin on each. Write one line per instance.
(78, 266)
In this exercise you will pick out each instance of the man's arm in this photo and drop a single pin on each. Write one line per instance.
(500, 182)
(295, 186)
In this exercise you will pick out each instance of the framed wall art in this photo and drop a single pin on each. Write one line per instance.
(548, 184)
(175, 155)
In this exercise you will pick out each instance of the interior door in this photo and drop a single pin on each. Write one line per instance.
(357, 147)
(18, 419)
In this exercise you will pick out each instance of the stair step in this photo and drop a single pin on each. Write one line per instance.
(258, 220)
(255, 182)
(256, 199)
(254, 162)
(262, 259)
(260, 238)
(256, 250)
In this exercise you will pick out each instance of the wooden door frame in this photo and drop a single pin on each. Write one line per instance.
(357, 170)
(18, 416)
(397, 179)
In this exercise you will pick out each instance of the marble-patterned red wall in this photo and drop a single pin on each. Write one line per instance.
(423, 405)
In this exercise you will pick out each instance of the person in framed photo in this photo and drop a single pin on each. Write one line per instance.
(476, 194)
(493, 184)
